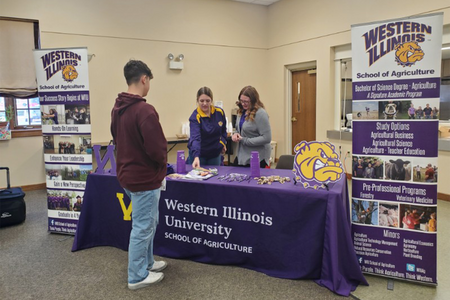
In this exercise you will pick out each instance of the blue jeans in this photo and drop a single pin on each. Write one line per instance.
(145, 217)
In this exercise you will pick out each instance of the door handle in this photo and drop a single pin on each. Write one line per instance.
(293, 119)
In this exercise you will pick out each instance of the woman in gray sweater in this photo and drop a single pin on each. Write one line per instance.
(253, 128)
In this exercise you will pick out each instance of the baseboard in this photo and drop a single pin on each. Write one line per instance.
(440, 196)
(444, 197)
(33, 187)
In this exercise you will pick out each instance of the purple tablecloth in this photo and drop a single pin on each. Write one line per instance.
(282, 230)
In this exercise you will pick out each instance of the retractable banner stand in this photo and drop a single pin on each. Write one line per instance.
(63, 87)
(396, 85)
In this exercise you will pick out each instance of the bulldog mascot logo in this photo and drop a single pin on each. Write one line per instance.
(316, 164)
(406, 54)
(69, 73)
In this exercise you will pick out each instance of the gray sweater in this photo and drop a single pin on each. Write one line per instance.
(256, 136)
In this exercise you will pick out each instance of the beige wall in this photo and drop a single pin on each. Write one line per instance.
(302, 32)
(25, 159)
(226, 45)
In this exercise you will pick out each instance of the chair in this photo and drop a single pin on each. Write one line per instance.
(285, 162)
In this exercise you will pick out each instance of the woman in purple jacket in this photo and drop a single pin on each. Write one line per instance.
(208, 128)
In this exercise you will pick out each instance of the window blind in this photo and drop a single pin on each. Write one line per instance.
(17, 72)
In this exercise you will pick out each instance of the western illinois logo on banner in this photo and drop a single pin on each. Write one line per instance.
(61, 60)
(403, 37)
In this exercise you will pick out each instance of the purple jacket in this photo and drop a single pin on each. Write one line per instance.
(208, 134)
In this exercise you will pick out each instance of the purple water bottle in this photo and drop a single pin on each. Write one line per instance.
(181, 162)
(254, 164)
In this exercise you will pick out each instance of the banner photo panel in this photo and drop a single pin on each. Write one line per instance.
(63, 88)
(396, 77)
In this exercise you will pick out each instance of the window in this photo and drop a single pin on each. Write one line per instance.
(2, 110)
(18, 90)
(28, 112)
(346, 93)
(343, 85)
(21, 113)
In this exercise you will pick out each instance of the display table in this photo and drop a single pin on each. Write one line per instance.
(170, 141)
(282, 230)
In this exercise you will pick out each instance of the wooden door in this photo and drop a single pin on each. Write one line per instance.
(303, 100)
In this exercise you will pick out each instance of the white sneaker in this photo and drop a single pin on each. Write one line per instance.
(151, 278)
(158, 266)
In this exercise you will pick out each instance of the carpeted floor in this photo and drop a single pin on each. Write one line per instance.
(35, 264)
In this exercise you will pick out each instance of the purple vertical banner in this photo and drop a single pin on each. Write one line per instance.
(396, 85)
(63, 88)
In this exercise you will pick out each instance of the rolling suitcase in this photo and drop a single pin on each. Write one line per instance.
(12, 204)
